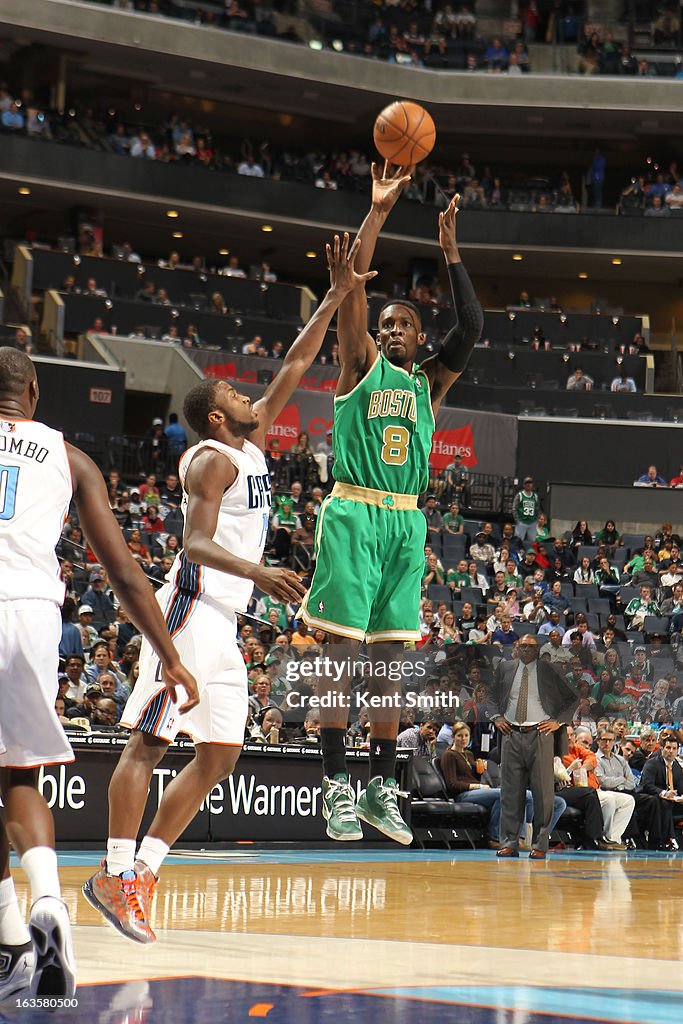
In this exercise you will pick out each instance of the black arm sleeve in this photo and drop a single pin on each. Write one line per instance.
(461, 339)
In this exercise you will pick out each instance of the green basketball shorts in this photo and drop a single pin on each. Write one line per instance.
(368, 572)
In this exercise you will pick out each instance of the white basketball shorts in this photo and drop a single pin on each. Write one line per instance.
(205, 637)
(30, 732)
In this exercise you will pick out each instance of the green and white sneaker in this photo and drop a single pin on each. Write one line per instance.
(378, 805)
(338, 809)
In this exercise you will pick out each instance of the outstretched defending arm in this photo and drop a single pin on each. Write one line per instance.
(132, 586)
(444, 368)
(341, 262)
(357, 349)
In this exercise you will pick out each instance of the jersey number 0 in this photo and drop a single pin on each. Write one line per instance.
(9, 476)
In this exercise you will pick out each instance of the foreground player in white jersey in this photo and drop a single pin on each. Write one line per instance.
(226, 501)
(39, 475)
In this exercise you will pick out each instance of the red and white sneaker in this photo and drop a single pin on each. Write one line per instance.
(123, 900)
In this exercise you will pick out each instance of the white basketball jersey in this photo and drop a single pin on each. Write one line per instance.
(241, 529)
(35, 492)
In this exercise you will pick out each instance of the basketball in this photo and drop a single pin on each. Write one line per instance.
(404, 133)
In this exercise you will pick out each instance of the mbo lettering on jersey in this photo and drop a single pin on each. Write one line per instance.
(258, 491)
(392, 402)
(20, 446)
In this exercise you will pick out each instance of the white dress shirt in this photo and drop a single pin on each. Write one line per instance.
(535, 710)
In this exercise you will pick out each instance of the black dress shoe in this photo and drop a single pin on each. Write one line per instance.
(507, 851)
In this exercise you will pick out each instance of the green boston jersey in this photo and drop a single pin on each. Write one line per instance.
(383, 431)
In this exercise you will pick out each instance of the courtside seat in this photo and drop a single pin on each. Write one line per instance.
(434, 815)
(570, 825)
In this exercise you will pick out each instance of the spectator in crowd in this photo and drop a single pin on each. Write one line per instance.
(662, 777)
(101, 663)
(496, 55)
(650, 479)
(463, 773)
(142, 146)
(623, 383)
(233, 268)
(71, 641)
(617, 788)
(595, 179)
(482, 550)
(147, 293)
(590, 54)
(657, 208)
(674, 199)
(579, 381)
(640, 607)
(420, 739)
(77, 683)
(433, 517)
(105, 714)
(138, 550)
(12, 118)
(99, 598)
(453, 522)
(526, 509)
(171, 493)
(250, 168)
(655, 704)
(176, 435)
(584, 573)
(457, 477)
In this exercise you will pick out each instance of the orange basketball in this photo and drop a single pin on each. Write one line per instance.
(404, 133)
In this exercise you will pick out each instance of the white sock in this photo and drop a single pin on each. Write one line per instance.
(152, 851)
(40, 864)
(120, 856)
(13, 930)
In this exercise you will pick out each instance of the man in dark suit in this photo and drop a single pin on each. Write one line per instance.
(532, 702)
(663, 777)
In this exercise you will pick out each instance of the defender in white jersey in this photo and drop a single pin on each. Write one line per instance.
(199, 605)
(226, 501)
(39, 476)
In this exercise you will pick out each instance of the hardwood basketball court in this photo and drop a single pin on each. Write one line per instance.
(386, 936)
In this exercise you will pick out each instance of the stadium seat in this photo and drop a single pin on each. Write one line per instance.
(593, 622)
(434, 815)
(435, 542)
(567, 589)
(473, 594)
(632, 541)
(578, 604)
(587, 551)
(655, 624)
(472, 527)
(454, 545)
(627, 594)
(525, 628)
(599, 605)
(635, 635)
(437, 593)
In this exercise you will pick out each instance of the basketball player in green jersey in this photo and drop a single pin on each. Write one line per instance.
(370, 535)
